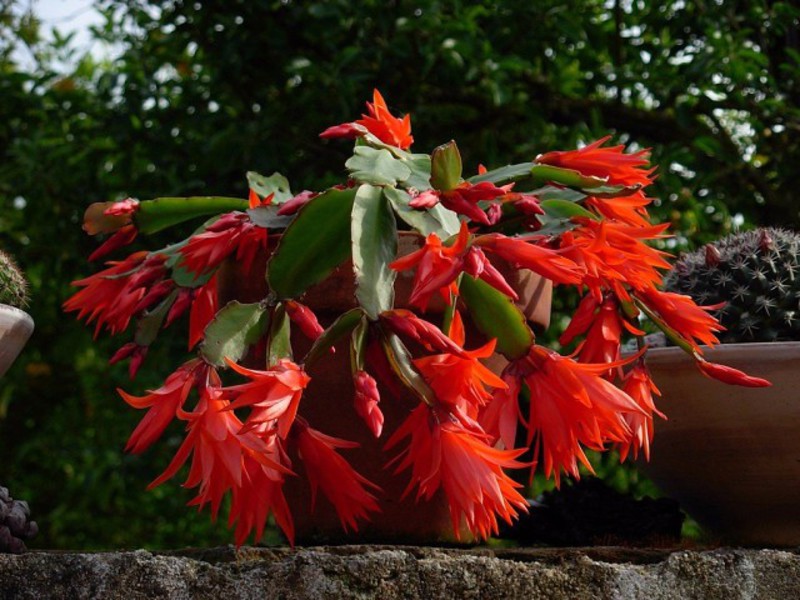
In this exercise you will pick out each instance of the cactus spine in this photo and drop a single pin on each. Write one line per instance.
(13, 285)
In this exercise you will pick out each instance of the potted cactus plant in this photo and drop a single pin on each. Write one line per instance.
(348, 375)
(730, 454)
(16, 325)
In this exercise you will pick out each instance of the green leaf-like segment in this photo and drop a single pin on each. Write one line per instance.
(358, 346)
(158, 214)
(374, 239)
(340, 328)
(446, 167)
(504, 175)
(568, 177)
(280, 336)
(274, 184)
(439, 220)
(234, 329)
(496, 315)
(400, 360)
(564, 209)
(378, 167)
(316, 242)
(148, 326)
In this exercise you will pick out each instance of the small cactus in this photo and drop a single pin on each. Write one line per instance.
(13, 285)
(756, 274)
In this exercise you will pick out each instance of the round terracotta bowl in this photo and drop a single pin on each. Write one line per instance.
(729, 454)
(16, 326)
(328, 406)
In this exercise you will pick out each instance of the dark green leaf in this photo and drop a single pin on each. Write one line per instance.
(148, 326)
(316, 242)
(374, 235)
(378, 167)
(158, 214)
(358, 346)
(496, 315)
(400, 360)
(280, 336)
(504, 175)
(234, 329)
(274, 184)
(568, 177)
(446, 167)
(564, 209)
(331, 336)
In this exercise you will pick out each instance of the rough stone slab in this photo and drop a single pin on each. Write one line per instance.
(404, 572)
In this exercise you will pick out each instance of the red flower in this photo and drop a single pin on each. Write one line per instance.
(609, 163)
(132, 351)
(274, 395)
(626, 209)
(572, 406)
(122, 208)
(231, 233)
(119, 239)
(730, 375)
(328, 471)
(443, 453)
(460, 381)
(112, 297)
(438, 266)
(367, 398)
(204, 308)
(463, 199)
(544, 261)
(295, 203)
(682, 314)
(379, 122)
(639, 386)
(404, 322)
(614, 255)
(163, 404)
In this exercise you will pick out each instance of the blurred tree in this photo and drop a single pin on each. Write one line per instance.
(198, 92)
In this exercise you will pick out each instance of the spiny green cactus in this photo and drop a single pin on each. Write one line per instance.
(13, 285)
(756, 274)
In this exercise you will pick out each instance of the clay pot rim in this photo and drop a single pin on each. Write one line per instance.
(726, 352)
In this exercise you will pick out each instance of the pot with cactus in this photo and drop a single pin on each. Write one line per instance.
(731, 455)
(398, 403)
(16, 326)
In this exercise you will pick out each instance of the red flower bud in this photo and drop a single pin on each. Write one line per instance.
(730, 375)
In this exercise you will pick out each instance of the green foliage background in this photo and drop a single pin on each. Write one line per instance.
(199, 92)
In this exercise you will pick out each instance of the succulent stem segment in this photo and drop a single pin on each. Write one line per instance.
(13, 286)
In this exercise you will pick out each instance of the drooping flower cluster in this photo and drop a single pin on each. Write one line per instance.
(466, 424)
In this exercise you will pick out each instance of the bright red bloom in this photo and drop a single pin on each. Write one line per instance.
(681, 313)
(604, 325)
(438, 266)
(274, 395)
(119, 239)
(379, 122)
(460, 381)
(500, 417)
(572, 406)
(328, 471)
(163, 404)
(232, 233)
(639, 386)
(614, 255)
(305, 319)
(609, 163)
(626, 209)
(218, 450)
(404, 322)
(204, 308)
(132, 351)
(730, 375)
(544, 261)
(112, 297)
(463, 199)
(443, 453)
(367, 398)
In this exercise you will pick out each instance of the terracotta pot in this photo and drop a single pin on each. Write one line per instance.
(731, 455)
(328, 406)
(16, 326)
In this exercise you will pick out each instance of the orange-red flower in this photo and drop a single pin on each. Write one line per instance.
(329, 472)
(273, 395)
(404, 322)
(614, 255)
(730, 375)
(626, 209)
(367, 398)
(163, 404)
(233, 233)
(443, 453)
(119, 239)
(609, 163)
(438, 266)
(379, 122)
(460, 381)
(681, 313)
(572, 406)
(463, 199)
(639, 386)
(544, 261)
(204, 308)
(500, 417)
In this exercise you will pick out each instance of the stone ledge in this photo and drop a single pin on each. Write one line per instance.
(404, 572)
